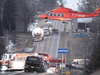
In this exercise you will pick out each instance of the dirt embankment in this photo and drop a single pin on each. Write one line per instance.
(23, 40)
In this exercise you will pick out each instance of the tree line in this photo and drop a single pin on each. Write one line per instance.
(16, 15)
(92, 43)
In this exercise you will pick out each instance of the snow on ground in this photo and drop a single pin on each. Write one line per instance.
(10, 45)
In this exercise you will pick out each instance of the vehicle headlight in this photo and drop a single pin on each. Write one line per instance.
(50, 29)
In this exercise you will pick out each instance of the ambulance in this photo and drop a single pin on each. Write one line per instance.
(79, 63)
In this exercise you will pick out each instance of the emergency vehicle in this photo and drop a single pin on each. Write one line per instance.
(79, 63)
(15, 61)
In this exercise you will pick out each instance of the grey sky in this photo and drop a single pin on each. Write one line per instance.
(75, 7)
(68, 3)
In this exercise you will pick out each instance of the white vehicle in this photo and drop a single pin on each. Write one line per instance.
(50, 25)
(38, 34)
(79, 63)
(46, 30)
(13, 61)
(49, 22)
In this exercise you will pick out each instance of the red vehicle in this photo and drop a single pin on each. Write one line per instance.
(66, 14)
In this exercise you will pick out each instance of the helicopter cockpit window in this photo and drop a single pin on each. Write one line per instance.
(75, 11)
(62, 15)
(54, 14)
(47, 13)
(58, 14)
(50, 14)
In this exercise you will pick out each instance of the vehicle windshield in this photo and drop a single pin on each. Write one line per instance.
(47, 13)
(37, 36)
(74, 63)
(45, 29)
(36, 59)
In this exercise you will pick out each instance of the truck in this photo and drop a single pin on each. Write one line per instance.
(14, 61)
(38, 34)
(35, 63)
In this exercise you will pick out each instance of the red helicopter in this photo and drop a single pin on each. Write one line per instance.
(66, 14)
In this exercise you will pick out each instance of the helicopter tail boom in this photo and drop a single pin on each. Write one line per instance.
(96, 12)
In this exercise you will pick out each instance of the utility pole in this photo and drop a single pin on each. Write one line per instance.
(62, 63)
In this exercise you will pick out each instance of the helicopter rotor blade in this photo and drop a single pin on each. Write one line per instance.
(77, 4)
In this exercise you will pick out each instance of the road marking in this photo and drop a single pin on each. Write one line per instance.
(58, 40)
(54, 38)
(48, 44)
(56, 24)
(42, 45)
(10, 73)
(49, 39)
(36, 46)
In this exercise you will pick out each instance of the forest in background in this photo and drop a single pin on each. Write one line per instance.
(15, 15)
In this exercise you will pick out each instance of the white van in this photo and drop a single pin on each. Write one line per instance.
(79, 63)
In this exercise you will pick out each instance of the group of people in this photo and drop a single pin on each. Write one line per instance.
(69, 66)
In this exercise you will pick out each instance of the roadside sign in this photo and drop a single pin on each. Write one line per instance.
(67, 72)
(62, 50)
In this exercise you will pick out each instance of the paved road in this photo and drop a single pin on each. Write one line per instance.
(23, 73)
(10, 73)
(36, 74)
(49, 45)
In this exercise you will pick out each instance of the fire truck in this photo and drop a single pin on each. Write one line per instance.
(15, 61)
(56, 62)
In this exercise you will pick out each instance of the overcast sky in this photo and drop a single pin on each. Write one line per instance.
(75, 7)
(70, 2)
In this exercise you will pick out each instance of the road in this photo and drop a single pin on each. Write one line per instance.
(22, 73)
(49, 45)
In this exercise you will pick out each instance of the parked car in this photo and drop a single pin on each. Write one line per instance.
(80, 34)
(78, 30)
(56, 31)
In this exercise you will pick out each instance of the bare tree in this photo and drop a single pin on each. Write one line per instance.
(27, 12)
(2, 47)
(95, 35)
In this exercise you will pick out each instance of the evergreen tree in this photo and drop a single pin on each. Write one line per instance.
(48, 5)
(1, 15)
(95, 26)
(2, 47)
(1, 28)
(9, 14)
(95, 57)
